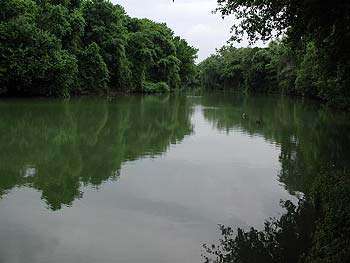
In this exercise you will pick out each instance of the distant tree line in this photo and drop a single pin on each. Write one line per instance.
(65, 47)
(312, 57)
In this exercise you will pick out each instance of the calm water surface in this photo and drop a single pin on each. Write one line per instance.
(147, 179)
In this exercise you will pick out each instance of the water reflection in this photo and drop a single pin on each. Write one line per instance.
(161, 209)
(315, 160)
(56, 147)
(309, 136)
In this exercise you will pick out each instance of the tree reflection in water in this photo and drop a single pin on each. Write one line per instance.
(56, 146)
(315, 160)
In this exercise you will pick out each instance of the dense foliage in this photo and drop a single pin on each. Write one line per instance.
(64, 47)
(251, 69)
(278, 68)
(312, 60)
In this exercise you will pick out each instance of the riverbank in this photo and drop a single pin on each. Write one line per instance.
(279, 68)
(61, 49)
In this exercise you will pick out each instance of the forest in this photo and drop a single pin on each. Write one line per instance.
(308, 53)
(66, 48)
(73, 47)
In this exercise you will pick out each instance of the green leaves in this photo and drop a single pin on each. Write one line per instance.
(243, 68)
(93, 71)
(35, 61)
(322, 71)
(60, 47)
(157, 56)
(11, 9)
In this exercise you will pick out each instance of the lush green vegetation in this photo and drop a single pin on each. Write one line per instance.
(71, 47)
(249, 69)
(312, 59)
(64, 47)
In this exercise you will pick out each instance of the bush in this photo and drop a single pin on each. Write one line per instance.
(160, 87)
(57, 48)
(33, 62)
(93, 71)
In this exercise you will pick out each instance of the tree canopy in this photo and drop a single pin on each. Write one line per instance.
(65, 47)
(309, 54)
(324, 20)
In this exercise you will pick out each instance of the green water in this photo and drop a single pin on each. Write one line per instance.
(147, 179)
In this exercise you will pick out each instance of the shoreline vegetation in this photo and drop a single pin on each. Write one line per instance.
(276, 69)
(310, 58)
(62, 48)
(73, 47)
(66, 48)
(308, 53)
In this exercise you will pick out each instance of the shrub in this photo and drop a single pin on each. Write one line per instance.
(160, 87)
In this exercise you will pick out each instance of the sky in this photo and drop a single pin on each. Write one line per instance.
(190, 19)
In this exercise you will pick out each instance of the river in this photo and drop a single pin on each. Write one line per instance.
(149, 178)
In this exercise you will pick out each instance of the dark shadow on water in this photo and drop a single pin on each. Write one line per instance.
(308, 135)
(314, 159)
(315, 230)
(58, 146)
(287, 239)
